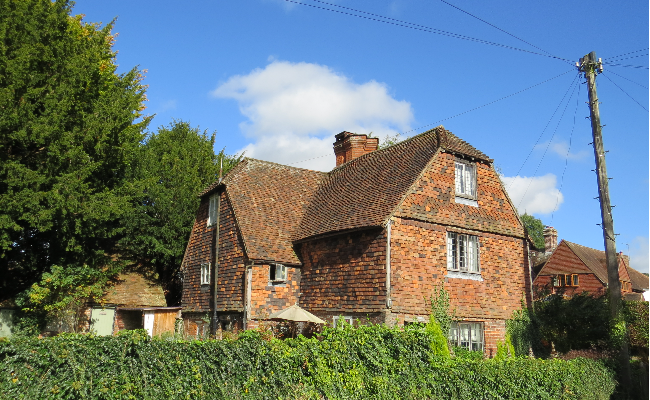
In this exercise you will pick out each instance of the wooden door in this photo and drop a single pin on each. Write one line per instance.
(101, 321)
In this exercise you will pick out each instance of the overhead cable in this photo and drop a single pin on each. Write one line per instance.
(495, 27)
(548, 145)
(566, 159)
(404, 24)
(547, 124)
(628, 95)
(624, 54)
(630, 80)
(626, 65)
(459, 114)
(608, 61)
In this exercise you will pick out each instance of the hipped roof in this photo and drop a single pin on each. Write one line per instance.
(276, 205)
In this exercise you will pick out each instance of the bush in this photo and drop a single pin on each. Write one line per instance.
(367, 362)
(636, 317)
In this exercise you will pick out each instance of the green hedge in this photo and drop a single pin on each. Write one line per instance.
(369, 362)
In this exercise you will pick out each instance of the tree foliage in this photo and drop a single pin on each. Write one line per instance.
(173, 167)
(535, 229)
(70, 126)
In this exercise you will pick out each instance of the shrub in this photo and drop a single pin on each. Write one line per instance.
(367, 362)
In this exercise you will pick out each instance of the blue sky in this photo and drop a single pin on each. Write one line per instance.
(279, 79)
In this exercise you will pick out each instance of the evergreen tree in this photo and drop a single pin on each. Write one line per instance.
(174, 166)
(69, 128)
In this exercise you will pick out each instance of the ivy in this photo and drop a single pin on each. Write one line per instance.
(350, 363)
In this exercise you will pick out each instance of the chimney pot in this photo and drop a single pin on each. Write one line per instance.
(349, 146)
(550, 239)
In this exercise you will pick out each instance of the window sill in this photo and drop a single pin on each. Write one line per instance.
(465, 275)
(276, 283)
(466, 201)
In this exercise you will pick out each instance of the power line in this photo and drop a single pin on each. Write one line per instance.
(621, 76)
(422, 28)
(626, 58)
(494, 26)
(566, 160)
(628, 95)
(631, 52)
(552, 136)
(547, 124)
(627, 66)
(487, 104)
(462, 113)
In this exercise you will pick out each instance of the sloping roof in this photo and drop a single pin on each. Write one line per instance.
(269, 200)
(640, 282)
(594, 259)
(366, 190)
(454, 144)
(134, 289)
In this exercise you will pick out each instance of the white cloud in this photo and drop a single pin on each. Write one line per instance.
(295, 109)
(561, 148)
(534, 195)
(639, 254)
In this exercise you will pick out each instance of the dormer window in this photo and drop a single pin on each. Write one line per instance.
(277, 273)
(465, 179)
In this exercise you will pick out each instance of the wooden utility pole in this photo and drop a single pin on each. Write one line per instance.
(590, 66)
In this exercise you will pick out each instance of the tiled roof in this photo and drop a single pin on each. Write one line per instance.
(639, 281)
(135, 290)
(366, 190)
(453, 143)
(594, 259)
(269, 200)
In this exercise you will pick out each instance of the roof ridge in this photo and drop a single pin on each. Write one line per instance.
(283, 165)
(379, 151)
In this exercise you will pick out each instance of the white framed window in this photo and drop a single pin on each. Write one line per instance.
(277, 273)
(212, 210)
(565, 280)
(468, 335)
(205, 274)
(340, 320)
(462, 253)
(465, 179)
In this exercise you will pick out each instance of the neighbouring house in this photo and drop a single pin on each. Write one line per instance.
(134, 301)
(368, 241)
(570, 268)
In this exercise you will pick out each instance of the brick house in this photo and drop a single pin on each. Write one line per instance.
(570, 268)
(369, 240)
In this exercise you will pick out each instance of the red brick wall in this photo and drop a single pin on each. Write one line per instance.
(432, 199)
(197, 297)
(268, 297)
(345, 273)
(419, 264)
(586, 283)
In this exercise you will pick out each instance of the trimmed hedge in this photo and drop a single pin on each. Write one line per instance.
(367, 362)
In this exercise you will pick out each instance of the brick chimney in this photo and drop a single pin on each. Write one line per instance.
(550, 239)
(349, 146)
